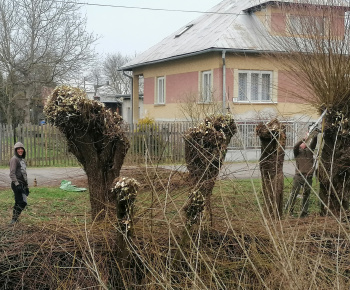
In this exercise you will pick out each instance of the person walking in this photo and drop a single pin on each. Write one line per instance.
(19, 181)
(304, 157)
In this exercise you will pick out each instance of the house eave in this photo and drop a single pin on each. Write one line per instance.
(259, 6)
(232, 50)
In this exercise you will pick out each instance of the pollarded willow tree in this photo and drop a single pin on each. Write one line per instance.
(95, 136)
(273, 142)
(312, 40)
(205, 151)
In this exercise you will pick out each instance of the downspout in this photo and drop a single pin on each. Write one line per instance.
(223, 81)
(131, 96)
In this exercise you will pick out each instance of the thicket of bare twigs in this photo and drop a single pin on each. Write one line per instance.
(243, 249)
(141, 247)
(315, 56)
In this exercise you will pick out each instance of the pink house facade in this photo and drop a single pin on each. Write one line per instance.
(218, 61)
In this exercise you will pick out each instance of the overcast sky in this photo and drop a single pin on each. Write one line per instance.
(131, 31)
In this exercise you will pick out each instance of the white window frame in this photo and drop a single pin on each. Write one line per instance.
(206, 86)
(247, 90)
(160, 91)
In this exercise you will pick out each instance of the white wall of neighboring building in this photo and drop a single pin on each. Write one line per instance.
(126, 111)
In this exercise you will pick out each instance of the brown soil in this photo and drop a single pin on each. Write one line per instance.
(147, 177)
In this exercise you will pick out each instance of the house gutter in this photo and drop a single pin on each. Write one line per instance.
(223, 81)
(131, 96)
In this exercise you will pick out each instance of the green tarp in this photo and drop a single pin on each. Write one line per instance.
(67, 186)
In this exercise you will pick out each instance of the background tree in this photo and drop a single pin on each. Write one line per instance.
(96, 75)
(95, 136)
(10, 108)
(117, 79)
(42, 42)
(194, 110)
(315, 54)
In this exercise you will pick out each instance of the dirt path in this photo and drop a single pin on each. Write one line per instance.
(46, 176)
(52, 176)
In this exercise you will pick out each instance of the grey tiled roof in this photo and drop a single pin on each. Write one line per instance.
(229, 26)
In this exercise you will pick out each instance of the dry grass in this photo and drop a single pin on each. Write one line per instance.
(242, 249)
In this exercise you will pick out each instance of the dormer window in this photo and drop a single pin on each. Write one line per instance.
(183, 30)
(306, 25)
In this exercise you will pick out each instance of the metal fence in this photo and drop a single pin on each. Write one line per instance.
(246, 137)
(158, 143)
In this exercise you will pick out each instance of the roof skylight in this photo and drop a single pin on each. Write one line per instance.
(183, 30)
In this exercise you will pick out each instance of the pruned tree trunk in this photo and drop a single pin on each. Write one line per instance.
(317, 61)
(205, 151)
(334, 166)
(95, 136)
(124, 190)
(273, 142)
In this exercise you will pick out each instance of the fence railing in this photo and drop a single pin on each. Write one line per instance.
(159, 143)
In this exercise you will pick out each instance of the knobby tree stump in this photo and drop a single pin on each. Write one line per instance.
(273, 142)
(125, 192)
(96, 137)
(205, 151)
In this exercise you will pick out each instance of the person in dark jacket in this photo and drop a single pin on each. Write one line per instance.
(19, 181)
(304, 157)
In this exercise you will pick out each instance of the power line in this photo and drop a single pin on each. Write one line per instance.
(146, 8)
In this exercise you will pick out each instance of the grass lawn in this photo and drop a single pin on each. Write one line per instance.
(47, 204)
(236, 198)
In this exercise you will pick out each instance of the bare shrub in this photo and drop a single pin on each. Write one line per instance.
(194, 109)
(242, 250)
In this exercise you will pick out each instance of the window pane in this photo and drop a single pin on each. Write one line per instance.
(265, 89)
(206, 87)
(161, 97)
(254, 87)
(242, 86)
(296, 24)
(320, 25)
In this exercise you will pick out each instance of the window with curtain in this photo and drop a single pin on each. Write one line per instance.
(254, 86)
